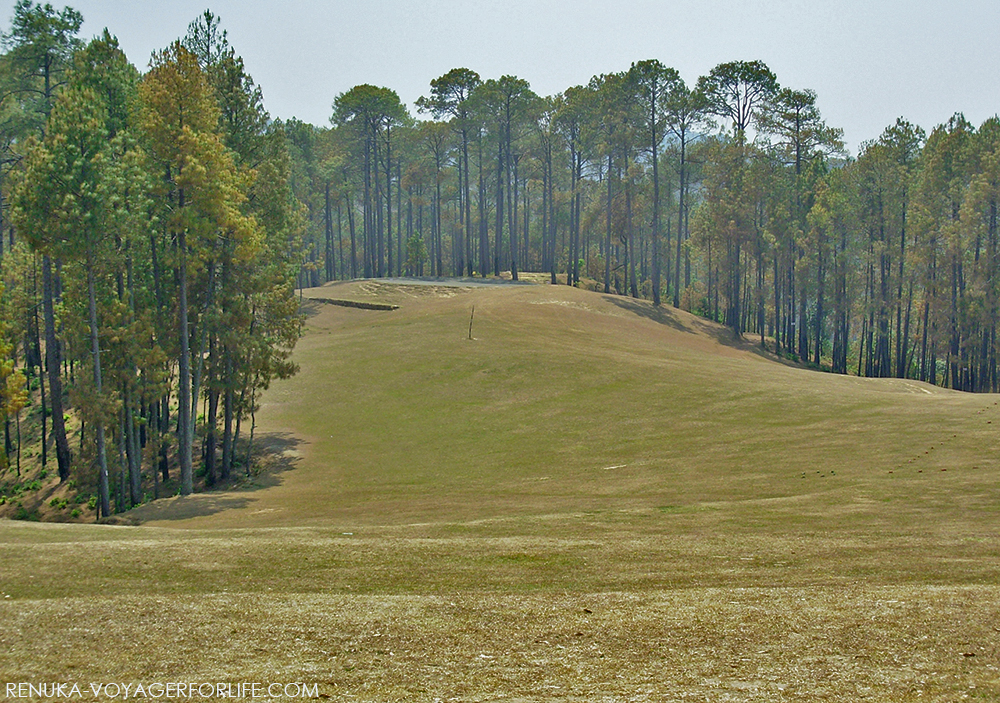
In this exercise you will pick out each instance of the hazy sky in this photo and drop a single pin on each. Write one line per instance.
(870, 61)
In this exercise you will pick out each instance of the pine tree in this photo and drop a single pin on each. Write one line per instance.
(199, 197)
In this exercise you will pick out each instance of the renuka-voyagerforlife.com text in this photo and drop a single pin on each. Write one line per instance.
(173, 689)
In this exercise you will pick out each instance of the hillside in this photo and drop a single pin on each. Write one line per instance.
(567, 401)
(589, 500)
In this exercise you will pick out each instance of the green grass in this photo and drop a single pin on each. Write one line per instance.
(591, 500)
(404, 420)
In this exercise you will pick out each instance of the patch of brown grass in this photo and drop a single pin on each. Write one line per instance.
(851, 643)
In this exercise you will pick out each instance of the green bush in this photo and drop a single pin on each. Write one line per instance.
(25, 514)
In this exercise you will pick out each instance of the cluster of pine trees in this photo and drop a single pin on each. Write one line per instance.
(150, 243)
(731, 198)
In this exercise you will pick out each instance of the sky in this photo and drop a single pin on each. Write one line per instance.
(869, 61)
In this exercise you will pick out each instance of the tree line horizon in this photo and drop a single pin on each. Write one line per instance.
(154, 227)
(732, 199)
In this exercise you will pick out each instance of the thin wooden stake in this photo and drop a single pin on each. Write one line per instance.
(473, 315)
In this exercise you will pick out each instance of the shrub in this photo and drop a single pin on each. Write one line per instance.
(25, 514)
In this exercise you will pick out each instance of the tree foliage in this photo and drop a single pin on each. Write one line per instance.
(165, 202)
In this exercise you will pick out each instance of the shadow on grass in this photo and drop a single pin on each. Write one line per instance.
(310, 308)
(659, 315)
(184, 507)
(718, 333)
(274, 453)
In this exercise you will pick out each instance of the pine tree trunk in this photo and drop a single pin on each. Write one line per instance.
(498, 232)
(37, 327)
(102, 459)
(328, 257)
(389, 244)
(131, 447)
(680, 222)
(210, 418)
(607, 245)
(227, 423)
(184, 436)
(630, 243)
(466, 225)
(53, 363)
(656, 205)
(253, 426)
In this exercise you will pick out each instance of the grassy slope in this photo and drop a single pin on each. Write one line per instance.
(738, 528)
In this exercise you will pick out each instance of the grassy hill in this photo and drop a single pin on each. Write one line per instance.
(591, 498)
(567, 401)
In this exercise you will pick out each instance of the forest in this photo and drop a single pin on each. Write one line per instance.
(155, 227)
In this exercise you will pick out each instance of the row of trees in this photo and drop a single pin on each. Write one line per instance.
(902, 243)
(151, 246)
(732, 198)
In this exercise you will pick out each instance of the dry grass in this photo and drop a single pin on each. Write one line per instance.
(592, 500)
